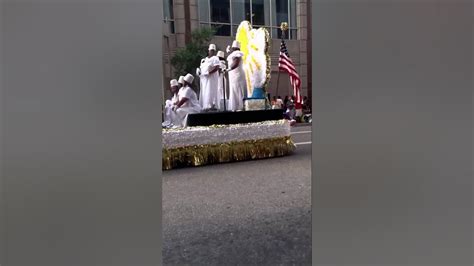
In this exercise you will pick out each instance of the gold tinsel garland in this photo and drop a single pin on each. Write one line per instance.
(199, 155)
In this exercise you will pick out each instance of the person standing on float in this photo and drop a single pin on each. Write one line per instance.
(202, 74)
(237, 81)
(221, 87)
(209, 74)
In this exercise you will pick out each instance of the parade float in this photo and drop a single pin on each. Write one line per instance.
(220, 137)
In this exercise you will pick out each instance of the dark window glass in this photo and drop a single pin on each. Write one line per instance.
(220, 11)
(234, 30)
(171, 9)
(258, 13)
(171, 26)
(281, 7)
(240, 11)
(222, 30)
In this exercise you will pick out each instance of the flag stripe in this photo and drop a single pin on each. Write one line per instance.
(286, 68)
(282, 60)
(285, 64)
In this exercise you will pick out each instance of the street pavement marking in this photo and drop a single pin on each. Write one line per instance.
(303, 143)
(300, 132)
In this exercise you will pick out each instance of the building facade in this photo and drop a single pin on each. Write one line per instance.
(183, 16)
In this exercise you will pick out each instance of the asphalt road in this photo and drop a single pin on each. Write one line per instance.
(243, 213)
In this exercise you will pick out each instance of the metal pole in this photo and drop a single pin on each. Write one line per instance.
(224, 88)
(278, 82)
(278, 79)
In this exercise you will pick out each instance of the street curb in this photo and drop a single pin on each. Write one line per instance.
(302, 124)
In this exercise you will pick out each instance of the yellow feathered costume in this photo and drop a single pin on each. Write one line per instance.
(254, 44)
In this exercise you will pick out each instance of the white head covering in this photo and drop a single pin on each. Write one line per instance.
(174, 82)
(189, 78)
(212, 47)
(235, 44)
(220, 54)
(181, 80)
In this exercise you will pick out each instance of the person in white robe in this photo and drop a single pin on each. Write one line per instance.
(221, 95)
(202, 74)
(169, 115)
(237, 81)
(209, 79)
(180, 82)
(180, 86)
(188, 102)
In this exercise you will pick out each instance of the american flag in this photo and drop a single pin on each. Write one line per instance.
(285, 64)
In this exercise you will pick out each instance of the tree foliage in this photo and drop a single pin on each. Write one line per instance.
(187, 59)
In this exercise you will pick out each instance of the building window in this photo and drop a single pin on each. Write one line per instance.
(225, 15)
(220, 16)
(168, 14)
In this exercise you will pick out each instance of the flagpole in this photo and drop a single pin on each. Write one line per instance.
(278, 82)
(283, 27)
(224, 85)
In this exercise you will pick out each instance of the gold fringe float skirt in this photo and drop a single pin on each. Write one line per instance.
(197, 146)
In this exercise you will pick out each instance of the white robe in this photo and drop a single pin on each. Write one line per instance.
(170, 117)
(189, 107)
(209, 82)
(203, 78)
(221, 87)
(237, 82)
